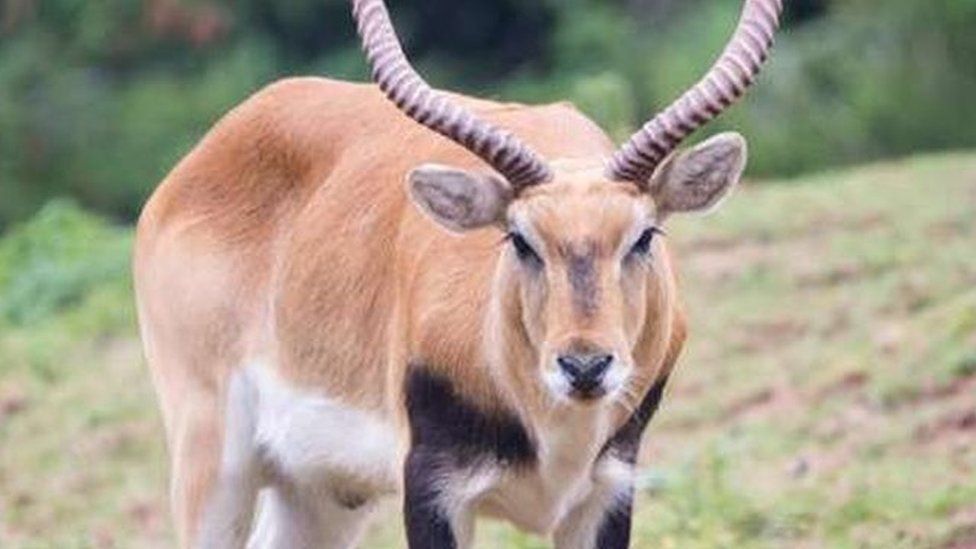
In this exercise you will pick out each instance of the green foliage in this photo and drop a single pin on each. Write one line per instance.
(57, 259)
(864, 83)
(866, 80)
(703, 507)
(99, 99)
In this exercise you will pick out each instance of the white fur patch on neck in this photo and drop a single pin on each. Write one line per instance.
(616, 476)
(539, 498)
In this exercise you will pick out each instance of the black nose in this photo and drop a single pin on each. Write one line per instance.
(585, 372)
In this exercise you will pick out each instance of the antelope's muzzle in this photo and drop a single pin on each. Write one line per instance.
(586, 373)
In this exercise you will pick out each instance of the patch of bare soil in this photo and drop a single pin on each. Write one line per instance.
(818, 227)
(150, 516)
(847, 383)
(749, 403)
(847, 425)
(831, 277)
(764, 402)
(954, 423)
(720, 265)
(12, 402)
(713, 244)
(800, 259)
(963, 532)
(821, 462)
(756, 337)
(940, 391)
(112, 440)
(948, 228)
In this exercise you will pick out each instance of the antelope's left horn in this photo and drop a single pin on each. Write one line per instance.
(734, 72)
(391, 70)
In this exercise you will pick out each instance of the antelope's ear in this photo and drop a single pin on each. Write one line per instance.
(698, 179)
(459, 200)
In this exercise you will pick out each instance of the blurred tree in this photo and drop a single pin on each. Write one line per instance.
(654, 10)
(798, 11)
(503, 35)
(99, 98)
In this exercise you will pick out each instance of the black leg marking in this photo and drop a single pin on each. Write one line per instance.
(614, 530)
(448, 434)
(426, 524)
(625, 443)
(442, 422)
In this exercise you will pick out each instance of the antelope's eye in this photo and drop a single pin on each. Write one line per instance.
(523, 249)
(643, 245)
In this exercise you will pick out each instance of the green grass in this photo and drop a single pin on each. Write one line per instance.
(827, 397)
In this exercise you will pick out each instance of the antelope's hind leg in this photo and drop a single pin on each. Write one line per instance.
(292, 517)
(215, 475)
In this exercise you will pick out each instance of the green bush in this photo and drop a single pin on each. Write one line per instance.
(868, 80)
(59, 258)
(99, 99)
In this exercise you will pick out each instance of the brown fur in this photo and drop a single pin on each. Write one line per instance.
(287, 233)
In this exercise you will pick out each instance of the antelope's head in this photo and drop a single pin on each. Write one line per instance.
(580, 280)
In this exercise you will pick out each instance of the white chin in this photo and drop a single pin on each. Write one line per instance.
(615, 381)
(562, 391)
(558, 385)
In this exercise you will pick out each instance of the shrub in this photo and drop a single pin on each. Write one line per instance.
(57, 259)
(99, 99)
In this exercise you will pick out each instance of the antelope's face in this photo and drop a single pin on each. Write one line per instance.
(580, 273)
(581, 260)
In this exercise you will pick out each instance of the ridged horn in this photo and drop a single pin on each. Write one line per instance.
(391, 70)
(734, 72)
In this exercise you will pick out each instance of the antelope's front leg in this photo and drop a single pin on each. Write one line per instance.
(602, 520)
(614, 528)
(437, 506)
(432, 521)
(457, 455)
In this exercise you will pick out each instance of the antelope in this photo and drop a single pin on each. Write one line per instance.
(350, 291)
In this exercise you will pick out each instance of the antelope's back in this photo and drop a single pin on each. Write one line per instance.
(293, 209)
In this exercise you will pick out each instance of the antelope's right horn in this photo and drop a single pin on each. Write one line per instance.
(391, 70)
(734, 72)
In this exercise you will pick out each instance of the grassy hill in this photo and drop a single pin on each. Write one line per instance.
(827, 397)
